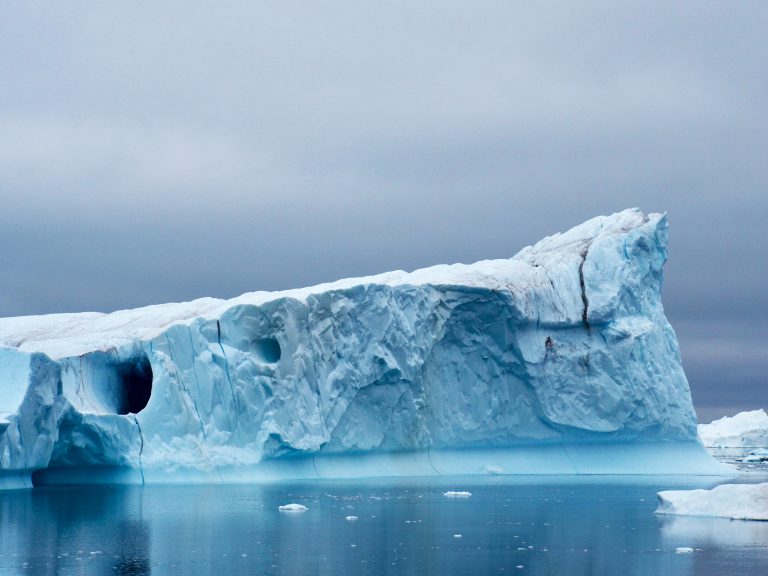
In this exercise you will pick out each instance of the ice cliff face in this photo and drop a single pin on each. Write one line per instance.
(558, 360)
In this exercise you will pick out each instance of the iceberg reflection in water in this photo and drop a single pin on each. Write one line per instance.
(548, 525)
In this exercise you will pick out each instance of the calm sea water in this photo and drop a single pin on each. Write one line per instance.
(509, 526)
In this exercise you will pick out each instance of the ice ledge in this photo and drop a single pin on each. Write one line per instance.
(643, 459)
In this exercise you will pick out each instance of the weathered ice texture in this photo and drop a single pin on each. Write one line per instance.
(559, 360)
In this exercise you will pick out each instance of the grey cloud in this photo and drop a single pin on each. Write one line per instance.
(155, 153)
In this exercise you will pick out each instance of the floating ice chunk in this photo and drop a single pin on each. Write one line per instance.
(293, 508)
(735, 501)
(351, 518)
(457, 494)
(457, 535)
(683, 550)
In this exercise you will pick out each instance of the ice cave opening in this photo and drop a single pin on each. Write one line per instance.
(119, 384)
(136, 385)
(266, 349)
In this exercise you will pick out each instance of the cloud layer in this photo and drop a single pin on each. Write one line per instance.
(155, 153)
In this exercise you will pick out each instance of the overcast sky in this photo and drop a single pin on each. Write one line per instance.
(163, 151)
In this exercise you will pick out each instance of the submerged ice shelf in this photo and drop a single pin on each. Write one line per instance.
(559, 360)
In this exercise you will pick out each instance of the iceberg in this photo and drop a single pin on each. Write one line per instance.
(744, 435)
(734, 501)
(558, 360)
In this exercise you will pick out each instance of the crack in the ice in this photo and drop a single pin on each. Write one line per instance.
(584, 299)
(141, 447)
(555, 290)
(568, 457)
(81, 388)
(324, 415)
(226, 369)
(429, 459)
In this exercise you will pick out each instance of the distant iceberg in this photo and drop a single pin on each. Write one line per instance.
(557, 361)
(744, 435)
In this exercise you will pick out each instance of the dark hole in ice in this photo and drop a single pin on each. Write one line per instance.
(136, 385)
(120, 383)
(266, 349)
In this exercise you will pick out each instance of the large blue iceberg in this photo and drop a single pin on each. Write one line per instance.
(557, 361)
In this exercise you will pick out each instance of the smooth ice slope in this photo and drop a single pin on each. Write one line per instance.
(739, 435)
(735, 501)
(558, 360)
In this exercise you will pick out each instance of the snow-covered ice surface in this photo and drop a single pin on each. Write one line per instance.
(735, 501)
(556, 361)
(742, 437)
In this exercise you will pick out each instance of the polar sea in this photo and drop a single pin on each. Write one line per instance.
(520, 525)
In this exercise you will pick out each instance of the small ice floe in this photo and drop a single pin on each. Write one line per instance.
(351, 518)
(735, 501)
(457, 535)
(683, 550)
(457, 494)
(292, 508)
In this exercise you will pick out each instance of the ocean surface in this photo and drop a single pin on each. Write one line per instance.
(510, 525)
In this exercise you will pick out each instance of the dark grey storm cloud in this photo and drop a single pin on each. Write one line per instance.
(156, 152)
